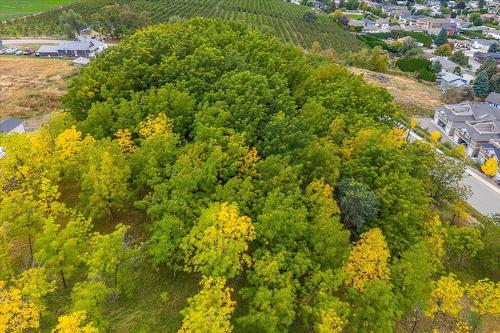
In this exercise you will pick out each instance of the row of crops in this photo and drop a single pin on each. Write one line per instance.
(281, 18)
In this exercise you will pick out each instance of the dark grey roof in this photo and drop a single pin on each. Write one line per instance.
(493, 98)
(481, 55)
(7, 125)
(494, 148)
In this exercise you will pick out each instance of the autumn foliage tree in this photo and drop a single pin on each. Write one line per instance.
(74, 323)
(490, 167)
(368, 260)
(210, 310)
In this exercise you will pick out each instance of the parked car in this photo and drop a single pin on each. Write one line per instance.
(19, 52)
(2, 51)
(11, 51)
(28, 52)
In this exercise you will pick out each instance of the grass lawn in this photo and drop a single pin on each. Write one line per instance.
(10, 9)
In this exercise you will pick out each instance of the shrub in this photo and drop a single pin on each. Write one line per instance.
(426, 75)
(413, 64)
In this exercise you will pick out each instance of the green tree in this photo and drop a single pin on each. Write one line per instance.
(310, 16)
(411, 276)
(459, 58)
(90, 296)
(374, 309)
(60, 248)
(110, 257)
(358, 204)
(271, 295)
(489, 66)
(461, 241)
(481, 85)
(441, 38)
(71, 23)
(495, 83)
(329, 241)
(104, 183)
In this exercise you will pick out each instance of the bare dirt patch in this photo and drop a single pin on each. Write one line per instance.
(414, 97)
(31, 88)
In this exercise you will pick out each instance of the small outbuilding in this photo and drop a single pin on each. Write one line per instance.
(81, 62)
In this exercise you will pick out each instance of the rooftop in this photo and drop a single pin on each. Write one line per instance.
(493, 98)
(8, 124)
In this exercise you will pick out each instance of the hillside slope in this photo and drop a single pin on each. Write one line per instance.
(284, 19)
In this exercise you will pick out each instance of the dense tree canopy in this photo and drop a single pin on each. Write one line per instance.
(256, 168)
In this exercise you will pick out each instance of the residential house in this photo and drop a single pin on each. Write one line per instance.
(489, 150)
(493, 99)
(372, 29)
(447, 66)
(84, 47)
(482, 45)
(435, 25)
(469, 124)
(356, 23)
(451, 80)
(11, 125)
(493, 33)
(482, 57)
(382, 22)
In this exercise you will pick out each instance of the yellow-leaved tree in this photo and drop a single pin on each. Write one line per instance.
(74, 323)
(445, 299)
(160, 124)
(484, 296)
(34, 286)
(68, 142)
(435, 235)
(436, 136)
(367, 260)
(331, 322)
(124, 140)
(210, 310)
(17, 313)
(413, 122)
(490, 167)
(217, 244)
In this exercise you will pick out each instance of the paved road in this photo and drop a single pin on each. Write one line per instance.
(30, 41)
(485, 197)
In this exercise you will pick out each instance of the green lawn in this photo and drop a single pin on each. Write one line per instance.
(10, 9)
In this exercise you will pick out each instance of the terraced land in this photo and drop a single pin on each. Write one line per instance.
(280, 18)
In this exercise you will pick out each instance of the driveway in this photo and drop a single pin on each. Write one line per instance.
(429, 125)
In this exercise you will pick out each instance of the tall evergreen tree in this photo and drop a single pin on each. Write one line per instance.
(442, 38)
(481, 85)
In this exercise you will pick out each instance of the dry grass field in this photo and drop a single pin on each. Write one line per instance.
(415, 98)
(30, 88)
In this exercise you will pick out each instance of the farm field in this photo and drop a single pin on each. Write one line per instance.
(30, 88)
(280, 18)
(10, 9)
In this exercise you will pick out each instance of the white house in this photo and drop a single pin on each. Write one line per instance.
(481, 45)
